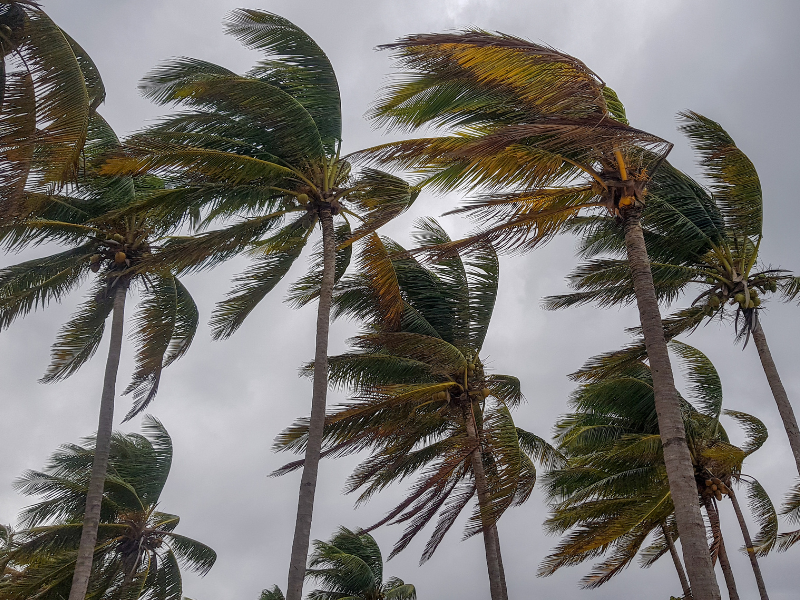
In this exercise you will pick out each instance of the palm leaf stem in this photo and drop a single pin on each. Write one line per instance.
(94, 496)
(748, 542)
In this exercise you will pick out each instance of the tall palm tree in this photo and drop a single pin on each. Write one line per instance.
(49, 88)
(121, 252)
(541, 132)
(423, 401)
(725, 265)
(137, 555)
(264, 148)
(613, 493)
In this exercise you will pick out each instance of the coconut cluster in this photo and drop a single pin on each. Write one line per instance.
(714, 486)
(476, 385)
(116, 252)
(745, 295)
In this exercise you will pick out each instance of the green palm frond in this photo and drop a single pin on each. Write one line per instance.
(754, 429)
(735, 182)
(765, 516)
(163, 331)
(274, 594)
(80, 337)
(298, 65)
(26, 286)
(705, 386)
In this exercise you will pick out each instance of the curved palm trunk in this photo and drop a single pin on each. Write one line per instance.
(762, 588)
(677, 460)
(779, 392)
(94, 495)
(724, 563)
(491, 540)
(308, 482)
(676, 560)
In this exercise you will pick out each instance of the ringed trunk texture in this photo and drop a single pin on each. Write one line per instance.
(677, 460)
(687, 591)
(762, 588)
(105, 426)
(724, 563)
(308, 482)
(491, 540)
(779, 392)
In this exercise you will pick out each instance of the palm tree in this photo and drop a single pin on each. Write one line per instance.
(543, 134)
(122, 253)
(422, 398)
(349, 566)
(264, 148)
(613, 493)
(49, 88)
(138, 554)
(724, 265)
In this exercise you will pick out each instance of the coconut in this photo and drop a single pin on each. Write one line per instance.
(713, 302)
(718, 496)
(626, 201)
(756, 301)
(714, 487)
(486, 392)
(95, 267)
(739, 298)
(302, 199)
(120, 257)
(118, 238)
(709, 483)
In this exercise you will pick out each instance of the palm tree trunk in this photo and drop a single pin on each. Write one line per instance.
(680, 472)
(724, 563)
(762, 588)
(491, 541)
(687, 591)
(308, 482)
(105, 426)
(779, 392)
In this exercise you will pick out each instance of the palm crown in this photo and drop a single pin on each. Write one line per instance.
(263, 148)
(613, 493)
(138, 554)
(423, 400)
(120, 250)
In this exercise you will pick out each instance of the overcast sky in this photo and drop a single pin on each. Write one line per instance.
(734, 61)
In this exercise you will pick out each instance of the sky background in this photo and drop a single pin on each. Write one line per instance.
(733, 61)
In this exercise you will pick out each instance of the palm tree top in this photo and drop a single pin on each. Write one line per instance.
(137, 547)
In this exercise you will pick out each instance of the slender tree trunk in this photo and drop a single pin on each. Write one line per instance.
(94, 495)
(779, 393)
(762, 588)
(308, 482)
(491, 541)
(724, 563)
(680, 472)
(676, 560)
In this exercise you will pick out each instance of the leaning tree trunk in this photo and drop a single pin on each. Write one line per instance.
(677, 460)
(308, 482)
(491, 541)
(724, 563)
(779, 392)
(762, 588)
(94, 495)
(687, 591)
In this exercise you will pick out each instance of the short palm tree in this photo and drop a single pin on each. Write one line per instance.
(544, 136)
(725, 265)
(422, 400)
(49, 88)
(613, 493)
(119, 254)
(264, 148)
(349, 566)
(137, 554)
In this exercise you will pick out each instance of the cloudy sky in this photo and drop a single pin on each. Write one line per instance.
(734, 61)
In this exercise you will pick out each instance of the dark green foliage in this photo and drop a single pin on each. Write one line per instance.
(138, 553)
